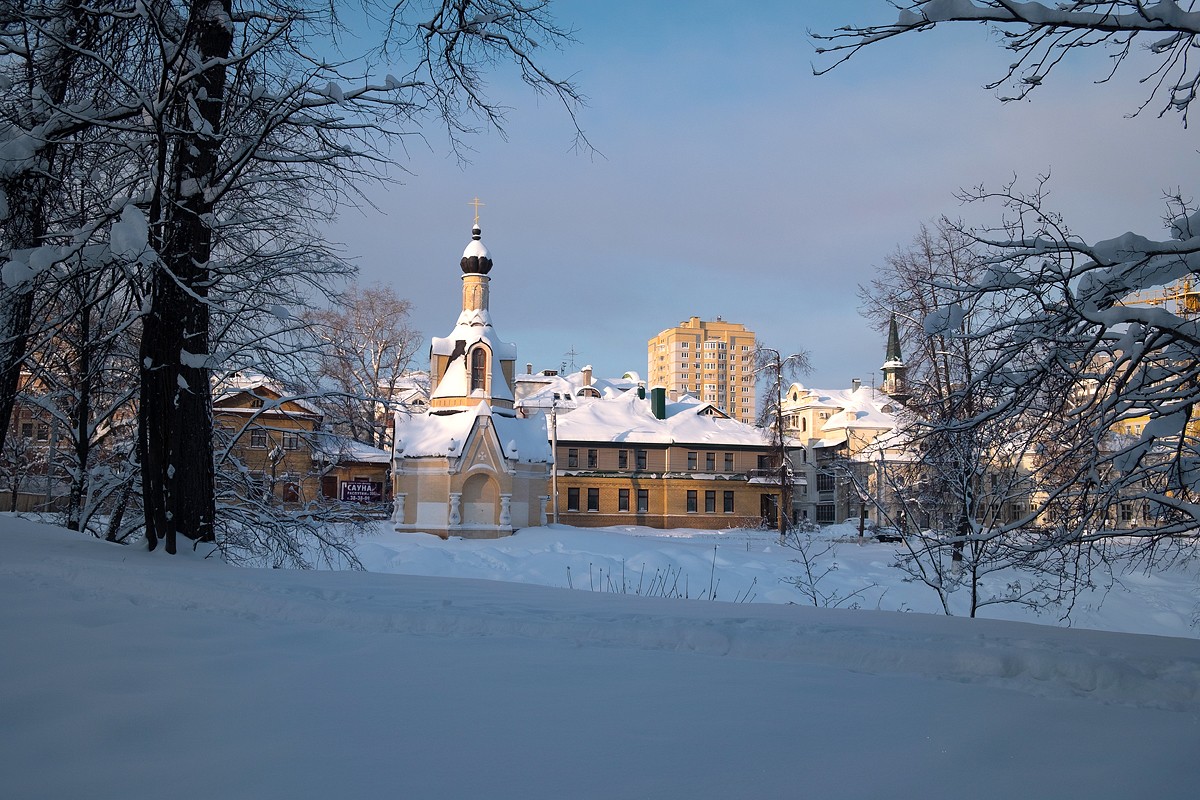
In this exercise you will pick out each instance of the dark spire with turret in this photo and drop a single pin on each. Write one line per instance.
(893, 345)
(894, 369)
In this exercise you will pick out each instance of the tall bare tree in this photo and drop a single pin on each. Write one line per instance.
(779, 371)
(236, 138)
(1074, 347)
(48, 53)
(368, 345)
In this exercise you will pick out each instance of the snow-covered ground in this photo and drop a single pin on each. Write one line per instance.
(750, 566)
(129, 674)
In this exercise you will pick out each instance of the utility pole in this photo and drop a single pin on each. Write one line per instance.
(554, 458)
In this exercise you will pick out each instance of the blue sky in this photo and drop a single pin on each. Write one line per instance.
(730, 181)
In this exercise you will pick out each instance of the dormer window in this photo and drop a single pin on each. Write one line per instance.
(478, 369)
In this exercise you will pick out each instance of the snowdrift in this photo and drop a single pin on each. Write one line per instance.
(131, 674)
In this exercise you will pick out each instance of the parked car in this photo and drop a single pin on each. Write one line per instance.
(887, 534)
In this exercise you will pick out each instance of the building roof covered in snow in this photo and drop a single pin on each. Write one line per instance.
(445, 435)
(861, 412)
(474, 327)
(332, 448)
(627, 418)
(252, 393)
(565, 392)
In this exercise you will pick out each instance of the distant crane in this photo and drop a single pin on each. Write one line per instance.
(1182, 294)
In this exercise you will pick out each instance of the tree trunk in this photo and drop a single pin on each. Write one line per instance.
(16, 310)
(49, 68)
(175, 425)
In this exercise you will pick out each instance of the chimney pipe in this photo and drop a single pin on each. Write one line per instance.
(658, 402)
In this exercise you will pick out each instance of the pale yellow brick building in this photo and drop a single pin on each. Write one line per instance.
(712, 361)
(629, 459)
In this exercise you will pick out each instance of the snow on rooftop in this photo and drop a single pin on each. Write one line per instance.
(437, 435)
(330, 447)
(860, 408)
(565, 392)
(529, 436)
(432, 434)
(473, 327)
(243, 383)
(628, 418)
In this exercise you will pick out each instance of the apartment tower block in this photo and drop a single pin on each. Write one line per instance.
(712, 361)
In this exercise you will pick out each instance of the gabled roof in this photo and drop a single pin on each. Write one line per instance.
(474, 326)
(241, 397)
(628, 418)
(445, 435)
(859, 409)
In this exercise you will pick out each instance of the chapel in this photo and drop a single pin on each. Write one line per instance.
(469, 466)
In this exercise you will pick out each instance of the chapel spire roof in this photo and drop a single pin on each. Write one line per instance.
(476, 258)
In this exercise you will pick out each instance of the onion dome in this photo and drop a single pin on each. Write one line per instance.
(476, 259)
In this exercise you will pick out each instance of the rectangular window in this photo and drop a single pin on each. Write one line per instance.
(825, 513)
(593, 499)
(691, 460)
(641, 459)
(43, 431)
(729, 462)
(710, 461)
(728, 500)
(291, 440)
(764, 462)
(27, 430)
(622, 459)
(622, 500)
(572, 457)
(593, 457)
(710, 502)
(825, 483)
(573, 499)
(258, 438)
(643, 501)
(691, 501)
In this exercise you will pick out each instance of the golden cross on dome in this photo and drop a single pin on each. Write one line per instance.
(477, 203)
